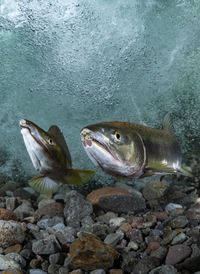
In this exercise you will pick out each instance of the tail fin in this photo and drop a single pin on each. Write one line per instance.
(79, 176)
(43, 185)
(186, 171)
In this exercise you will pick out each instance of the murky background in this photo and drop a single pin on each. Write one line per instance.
(73, 63)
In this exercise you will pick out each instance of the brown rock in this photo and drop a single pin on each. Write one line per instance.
(88, 252)
(50, 210)
(12, 271)
(13, 249)
(136, 221)
(161, 216)
(152, 246)
(95, 195)
(115, 271)
(125, 227)
(77, 271)
(7, 215)
(177, 253)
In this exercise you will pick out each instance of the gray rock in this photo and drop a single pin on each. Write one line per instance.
(154, 190)
(145, 265)
(113, 239)
(171, 206)
(98, 229)
(164, 269)
(179, 239)
(11, 203)
(54, 258)
(191, 264)
(6, 263)
(159, 253)
(24, 210)
(53, 268)
(26, 253)
(177, 253)
(117, 221)
(37, 271)
(20, 192)
(32, 227)
(129, 188)
(65, 234)
(17, 258)
(129, 261)
(98, 271)
(49, 222)
(132, 245)
(178, 222)
(76, 208)
(45, 202)
(46, 246)
(11, 233)
(105, 218)
(87, 221)
(122, 203)
(63, 270)
(42, 234)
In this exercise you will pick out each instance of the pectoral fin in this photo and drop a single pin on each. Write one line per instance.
(186, 171)
(43, 185)
(78, 176)
(158, 167)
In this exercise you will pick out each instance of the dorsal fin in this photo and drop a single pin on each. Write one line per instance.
(56, 133)
(167, 123)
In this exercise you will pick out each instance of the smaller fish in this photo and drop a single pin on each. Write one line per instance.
(134, 151)
(50, 156)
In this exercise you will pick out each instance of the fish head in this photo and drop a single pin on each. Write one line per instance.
(114, 148)
(45, 152)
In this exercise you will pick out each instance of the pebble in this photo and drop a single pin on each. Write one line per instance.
(115, 271)
(63, 270)
(11, 203)
(13, 249)
(116, 221)
(11, 233)
(24, 210)
(7, 215)
(164, 269)
(65, 234)
(98, 271)
(128, 188)
(179, 239)
(37, 271)
(49, 222)
(145, 265)
(53, 268)
(76, 208)
(132, 245)
(45, 202)
(113, 239)
(179, 222)
(154, 190)
(50, 210)
(177, 253)
(152, 246)
(17, 258)
(171, 206)
(54, 258)
(6, 263)
(45, 246)
(12, 271)
(159, 253)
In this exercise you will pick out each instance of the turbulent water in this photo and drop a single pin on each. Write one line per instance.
(74, 63)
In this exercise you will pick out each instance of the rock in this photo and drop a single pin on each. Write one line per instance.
(65, 234)
(7, 215)
(125, 227)
(161, 216)
(115, 271)
(6, 263)
(116, 221)
(95, 195)
(49, 222)
(97, 229)
(128, 261)
(177, 253)
(53, 268)
(45, 202)
(128, 188)
(135, 235)
(98, 271)
(132, 245)
(112, 239)
(24, 210)
(11, 203)
(11, 233)
(77, 271)
(46, 246)
(76, 208)
(159, 253)
(152, 246)
(12, 271)
(179, 239)
(153, 191)
(145, 265)
(178, 222)
(171, 206)
(37, 271)
(26, 253)
(13, 249)
(8, 186)
(169, 237)
(88, 252)
(135, 221)
(17, 258)
(122, 203)
(54, 258)
(164, 269)
(191, 264)
(105, 218)
(63, 270)
(22, 193)
(50, 210)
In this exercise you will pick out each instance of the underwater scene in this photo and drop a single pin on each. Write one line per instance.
(99, 137)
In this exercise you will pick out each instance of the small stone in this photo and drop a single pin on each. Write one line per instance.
(11, 233)
(26, 253)
(54, 258)
(171, 206)
(128, 261)
(177, 253)
(63, 270)
(105, 218)
(17, 258)
(45, 265)
(6, 263)
(125, 227)
(179, 221)
(112, 239)
(159, 253)
(152, 246)
(154, 191)
(116, 221)
(169, 237)
(7, 215)
(24, 210)
(98, 271)
(76, 208)
(12, 271)
(53, 268)
(128, 188)
(22, 193)
(161, 216)
(13, 249)
(132, 245)
(49, 222)
(11, 203)
(135, 221)
(77, 271)
(164, 269)
(46, 246)
(45, 202)
(135, 235)
(65, 234)
(37, 271)
(84, 253)
(179, 239)
(145, 265)
(115, 271)
(50, 210)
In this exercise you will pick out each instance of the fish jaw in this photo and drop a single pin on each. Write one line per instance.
(38, 155)
(99, 152)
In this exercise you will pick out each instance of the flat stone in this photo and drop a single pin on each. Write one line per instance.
(177, 253)
(164, 269)
(154, 190)
(122, 203)
(17, 258)
(7, 215)
(49, 222)
(24, 210)
(88, 252)
(118, 221)
(11, 233)
(37, 271)
(6, 263)
(11, 203)
(13, 249)
(45, 202)
(45, 246)
(128, 188)
(50, 210)
(54, 258)
(159, 253)
(179, 239)
(171, 206)
(98, 271)
(53, 268)
(112, 239)
(65, 234)
(145, 265)
(76, 208)
(178, 222)
(152, 246)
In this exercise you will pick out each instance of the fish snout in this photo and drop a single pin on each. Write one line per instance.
(22, 123)
(86, 137)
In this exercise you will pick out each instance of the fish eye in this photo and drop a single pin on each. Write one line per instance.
(117, 135)
(50, 141)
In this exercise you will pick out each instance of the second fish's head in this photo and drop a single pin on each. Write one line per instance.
(115, 148)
